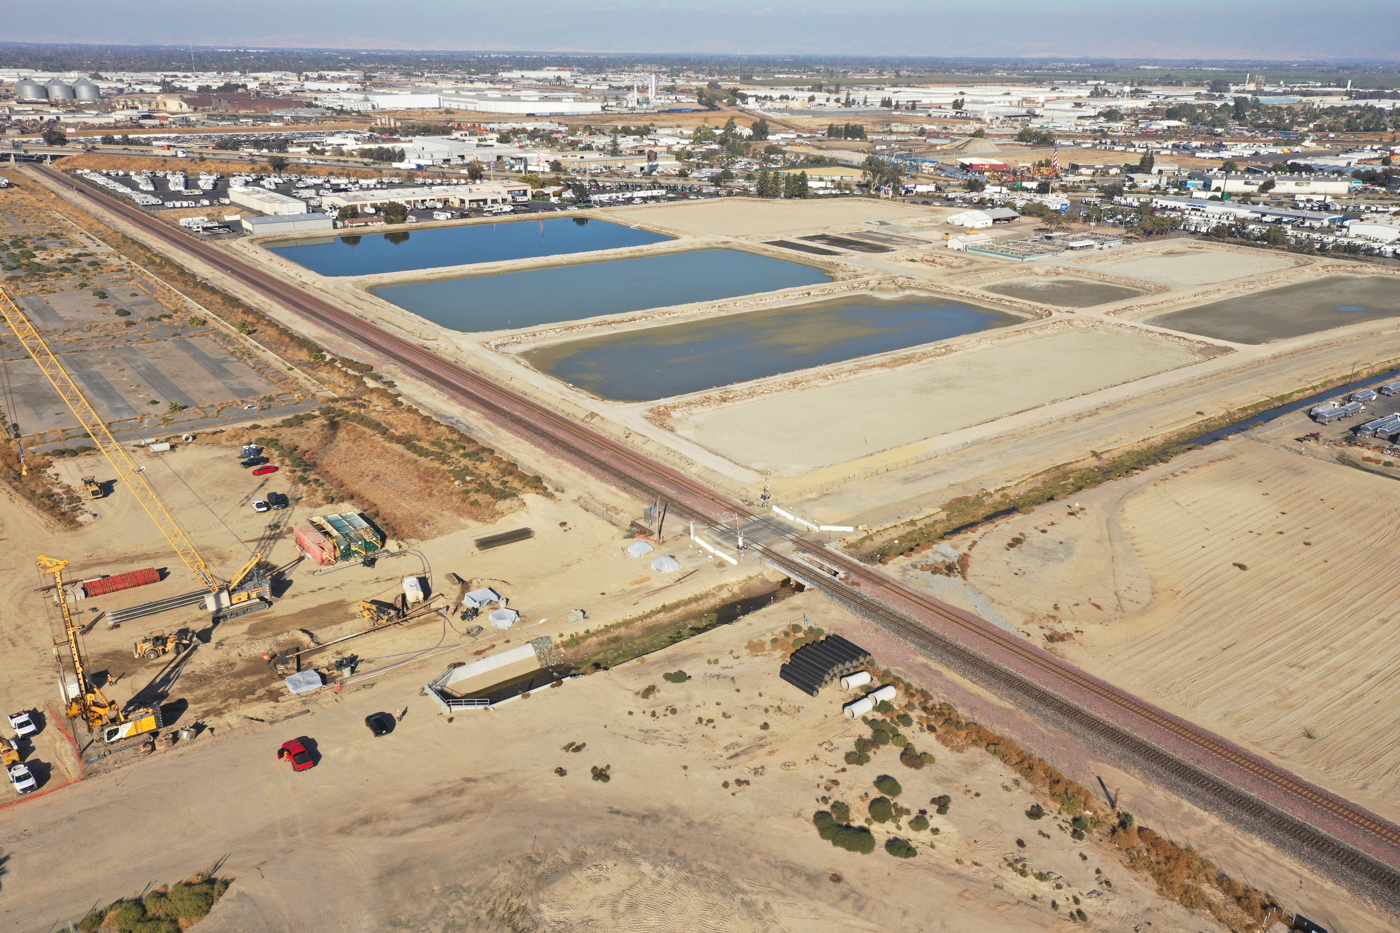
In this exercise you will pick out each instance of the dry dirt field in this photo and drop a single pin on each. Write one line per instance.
(1190, 265)
(812, 428)
(751, 217)
(489, 823)
(1243, 586)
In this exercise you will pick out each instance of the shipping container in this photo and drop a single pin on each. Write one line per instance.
(121, 581)
(313, 544)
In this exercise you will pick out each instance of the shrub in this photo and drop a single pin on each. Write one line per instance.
(942, 803)
(900, 741)
(864, 745)
(764, 726)
(919, 823)
(676, 677)
(1035, 812)
(125, 915)
(927, 757)
(881, 738)
(854, 839)
(826, 824)
(884, 706)
(881, 810)
(603, 774)
(841, 811)
(900, 848)
(904, 719)
(122, 312)
(156, 926)
(910, 758)
(92, 921)
(888, 786)
(857, 758)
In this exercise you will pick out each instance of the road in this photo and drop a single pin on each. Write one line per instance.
(1360, 847)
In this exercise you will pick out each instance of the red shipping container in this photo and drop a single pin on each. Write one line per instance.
(314, 544)
(121, 581)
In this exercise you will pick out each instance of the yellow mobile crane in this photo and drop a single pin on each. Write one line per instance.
(225, 600)
(85, 699)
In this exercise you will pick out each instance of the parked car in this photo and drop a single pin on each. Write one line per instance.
(22, 780)
(252, 462)
(261, 506)
(277, 500)
(296, 753)
(264, 470)
(23, 724)
(380, 723)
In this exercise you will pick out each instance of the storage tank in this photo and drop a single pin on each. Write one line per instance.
(858, 708)
(317, 548)
(59, 91)
(84, 89)
(886, 692)
(852, 681)
(27, 89)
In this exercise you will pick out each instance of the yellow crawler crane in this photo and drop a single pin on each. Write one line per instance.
(84, 700)
(223, 601)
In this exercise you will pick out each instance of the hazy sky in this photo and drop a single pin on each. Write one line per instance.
(1291, 29)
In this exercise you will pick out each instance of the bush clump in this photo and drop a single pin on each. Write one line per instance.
(911, 758)
(676, 677)
(919, 823)
(841, 811)
(857, 758)
(900, 848)
(164, 910)
(888, 786)
(942, 803)
(881, 810)
(1035, 812)
(603, 775)
(852, 838)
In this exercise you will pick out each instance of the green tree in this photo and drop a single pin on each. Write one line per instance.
(758, 131)
(347, 212)
(395, 213)
(881, 810)
(277, 163)
(53, 136)
(614, 145)
(474, 171)
(979, 133)
(1146, 163)
(108, 140)
(1229, 166)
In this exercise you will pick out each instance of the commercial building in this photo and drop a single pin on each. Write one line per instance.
(1384, 229)
(983, 217)
(289, 223)
(266, 202)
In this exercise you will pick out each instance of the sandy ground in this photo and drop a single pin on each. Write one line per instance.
(466, 825)
(751, 217)
(1192, 265)
(817, 427)
(1244, 587)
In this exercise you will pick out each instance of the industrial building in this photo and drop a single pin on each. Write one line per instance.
(266, 202)
(420, 196)
(288, 223)
(983, 217)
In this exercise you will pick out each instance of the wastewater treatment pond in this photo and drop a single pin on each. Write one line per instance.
(1064, 292)
(408, 250)
(660, 362)
(1290, 311)
(533, 297)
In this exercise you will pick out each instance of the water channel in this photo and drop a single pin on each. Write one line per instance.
(660, 362)
(568, 293)
(408, 250)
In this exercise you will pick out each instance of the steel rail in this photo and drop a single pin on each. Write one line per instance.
(632, 470)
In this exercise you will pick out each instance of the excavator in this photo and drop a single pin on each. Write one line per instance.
(247, 591)
(84, 700)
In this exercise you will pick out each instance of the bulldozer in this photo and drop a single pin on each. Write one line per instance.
(92, 487)
(157, 644)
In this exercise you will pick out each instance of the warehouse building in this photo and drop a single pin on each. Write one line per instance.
(288, 223)
(266, 202)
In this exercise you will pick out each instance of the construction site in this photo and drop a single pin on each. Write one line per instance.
(565, 569)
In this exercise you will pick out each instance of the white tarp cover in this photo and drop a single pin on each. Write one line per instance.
(639, 549)
(665, 564)
(482, 597)
(503, 618)
(304, 681)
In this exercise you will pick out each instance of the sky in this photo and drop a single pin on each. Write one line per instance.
(1168, 29)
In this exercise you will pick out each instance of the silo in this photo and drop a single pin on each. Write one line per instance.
(27, 89)
(86, 90)
(59, 91)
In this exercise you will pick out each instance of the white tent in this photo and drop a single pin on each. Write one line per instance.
(639, 548)
(304, 681)
(479, 598)
(503, 618)
(665, 564)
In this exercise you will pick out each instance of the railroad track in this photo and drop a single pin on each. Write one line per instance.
(1240, 781)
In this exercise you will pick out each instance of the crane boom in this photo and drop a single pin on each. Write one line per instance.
(115, 453)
